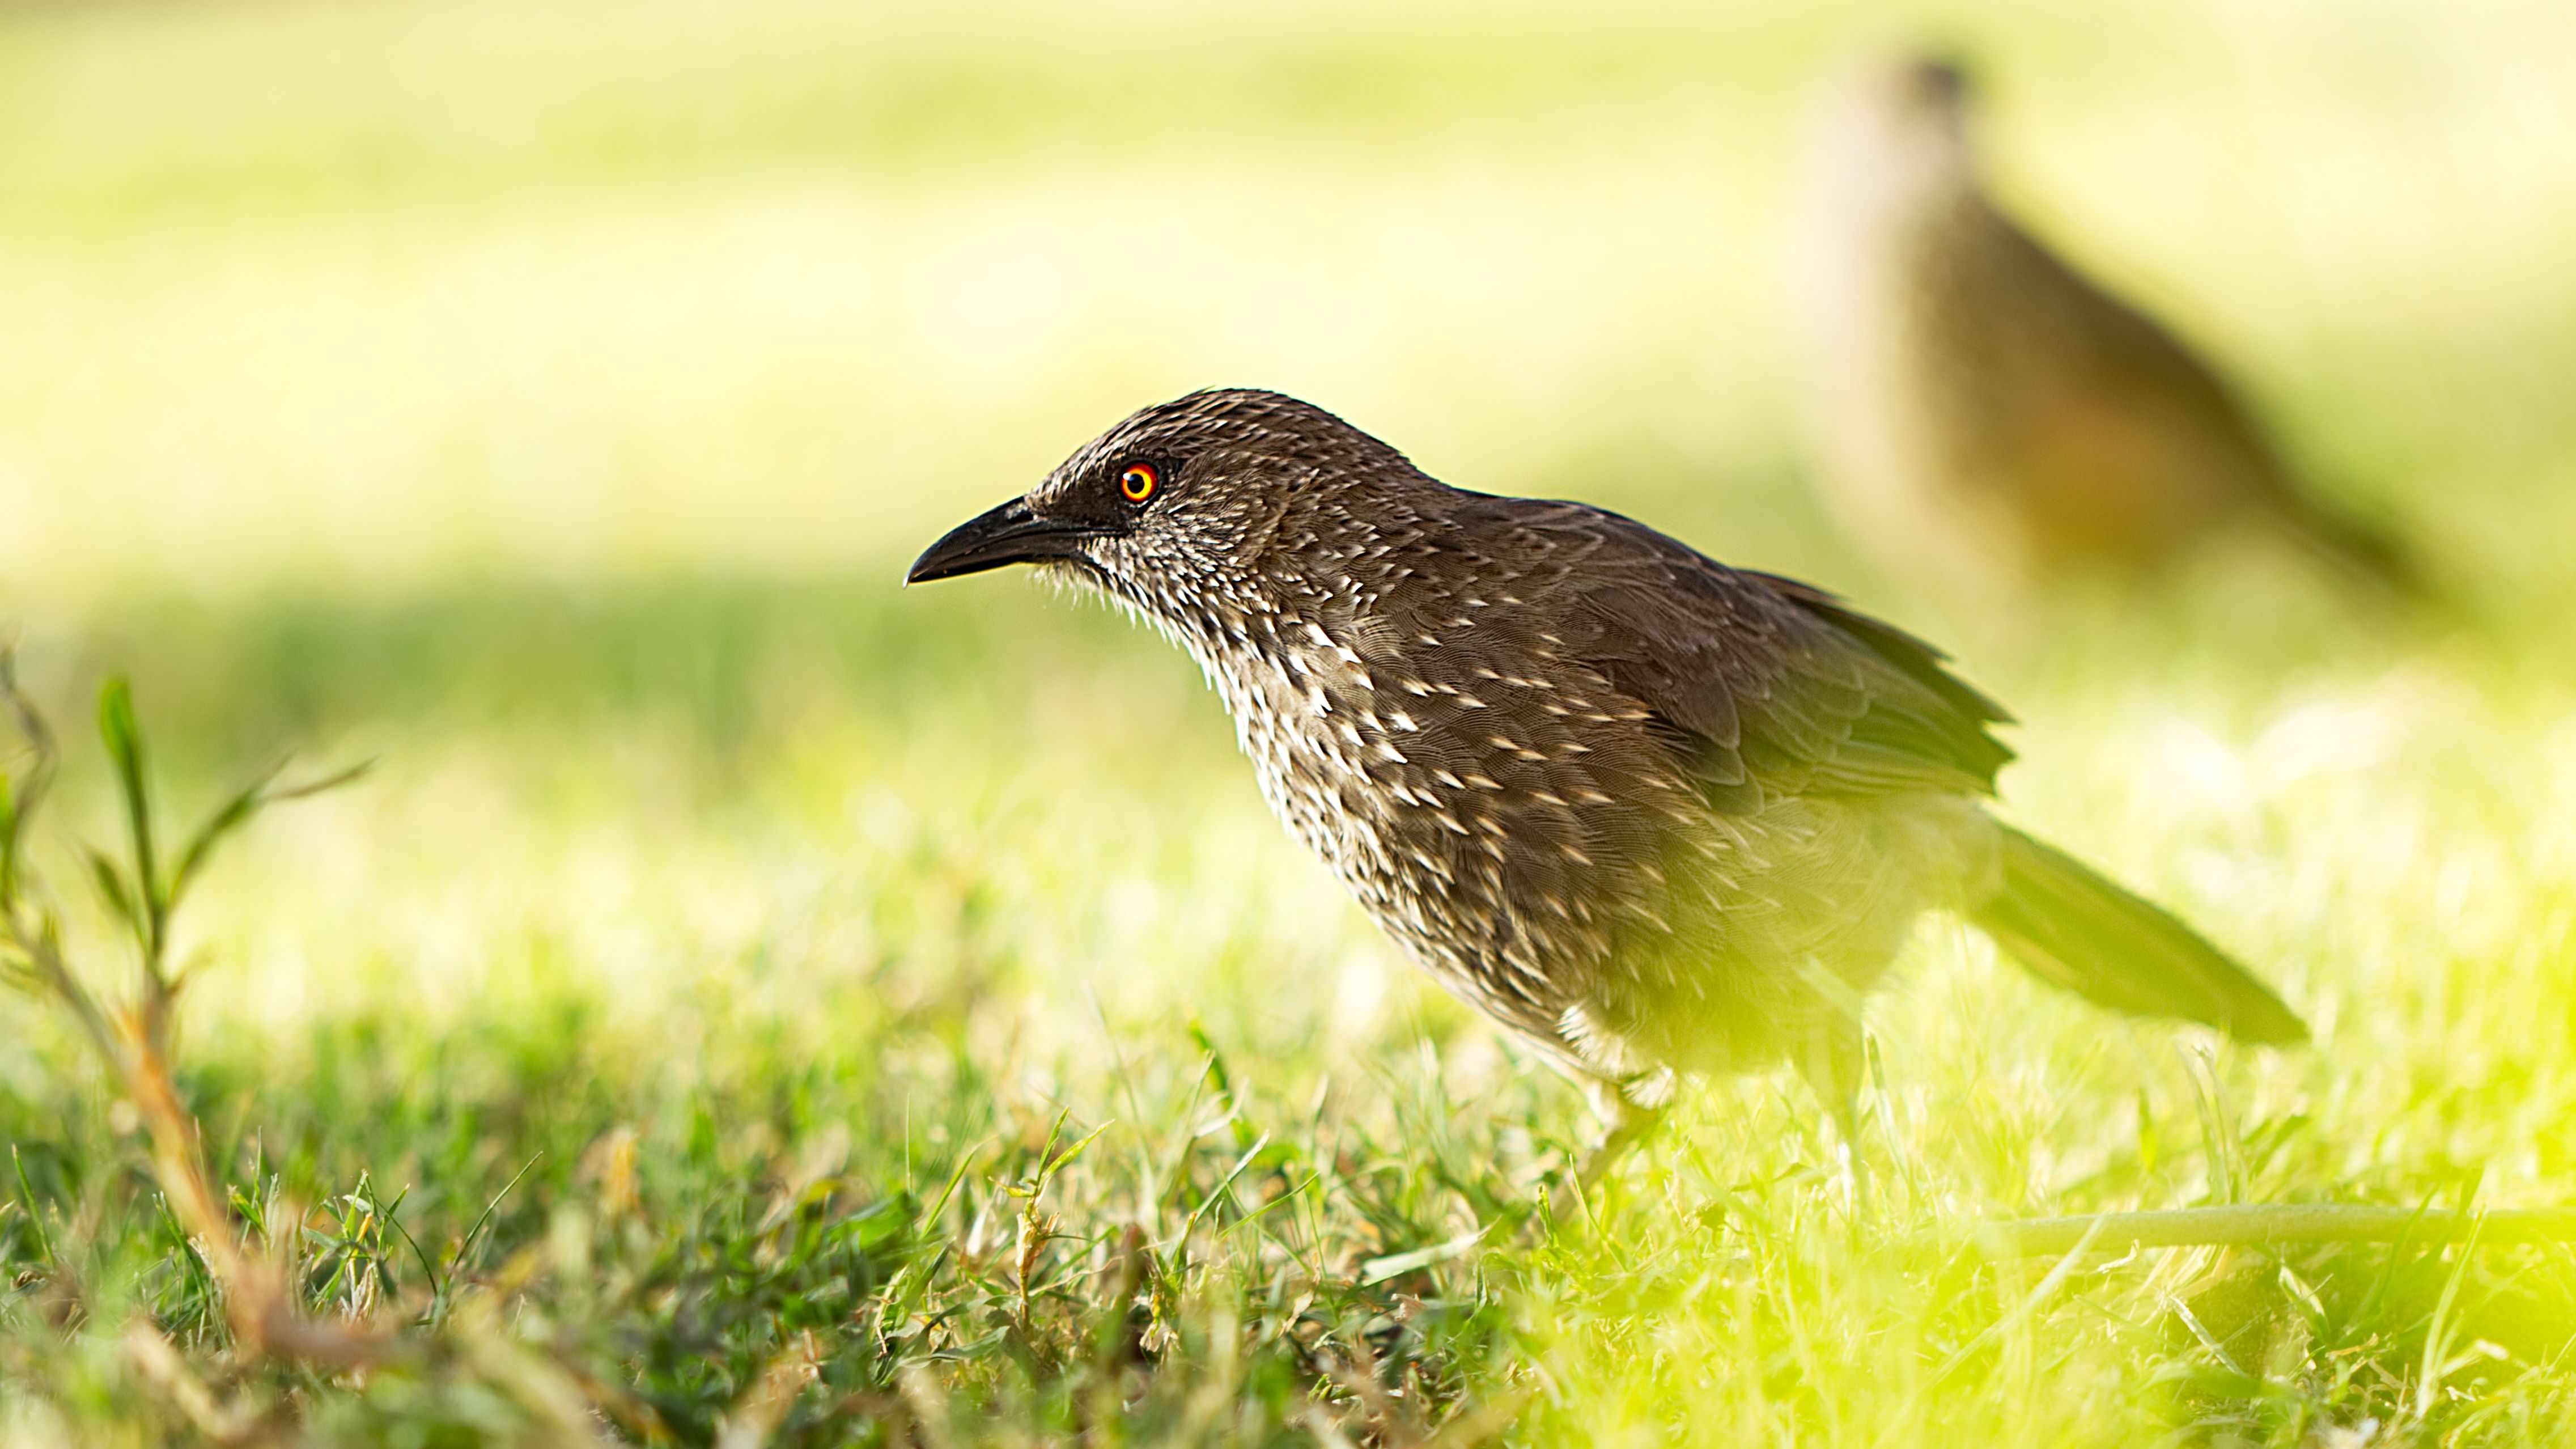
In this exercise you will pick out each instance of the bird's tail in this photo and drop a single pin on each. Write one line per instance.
(2359, 548)
(2072, 927)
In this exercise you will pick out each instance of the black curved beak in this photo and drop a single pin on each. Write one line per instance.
(1010, 534)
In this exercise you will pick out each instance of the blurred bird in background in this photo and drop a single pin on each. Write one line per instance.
(1653, 814)
(1984, 414)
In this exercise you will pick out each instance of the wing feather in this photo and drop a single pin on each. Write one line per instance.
(1763, 686)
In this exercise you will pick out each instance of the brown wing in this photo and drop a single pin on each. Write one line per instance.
(2115, 394)
(2093, 378)
(1762, 685)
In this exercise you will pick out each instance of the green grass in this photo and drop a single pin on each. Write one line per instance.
(542, 400)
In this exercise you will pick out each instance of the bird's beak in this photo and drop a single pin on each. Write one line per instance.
(1012, 533)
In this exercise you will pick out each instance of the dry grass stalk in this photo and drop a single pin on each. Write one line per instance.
(133, 1040)
(764, 1406)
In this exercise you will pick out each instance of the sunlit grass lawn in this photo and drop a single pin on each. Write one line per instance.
(542, 400)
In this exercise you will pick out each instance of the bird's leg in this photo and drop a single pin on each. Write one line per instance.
(1830, 1059)
(1624, 1124)
(1854, 1167)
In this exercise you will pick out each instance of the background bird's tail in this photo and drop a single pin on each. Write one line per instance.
(2070, 926)
(2356, 547)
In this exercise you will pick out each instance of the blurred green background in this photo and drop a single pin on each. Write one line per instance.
(544, 397)
(368, 300)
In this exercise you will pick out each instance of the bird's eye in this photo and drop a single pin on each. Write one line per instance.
(1138, 482)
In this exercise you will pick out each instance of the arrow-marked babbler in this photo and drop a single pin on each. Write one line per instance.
(1984, 411)
(1654, 814)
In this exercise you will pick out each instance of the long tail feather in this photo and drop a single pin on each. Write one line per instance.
(2371, 553)
(2074, 928)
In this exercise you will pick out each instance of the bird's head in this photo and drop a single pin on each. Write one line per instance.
(1924, 87)
(1188, 502)
(1904, 116)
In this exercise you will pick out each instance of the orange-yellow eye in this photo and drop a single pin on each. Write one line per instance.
(1139, 482)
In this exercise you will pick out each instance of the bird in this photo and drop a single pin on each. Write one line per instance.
(1657, 817)
(1985, 414)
